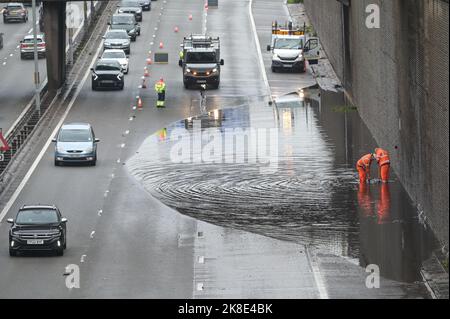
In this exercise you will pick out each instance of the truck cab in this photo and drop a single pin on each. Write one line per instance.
(200, 60)
(291, 48)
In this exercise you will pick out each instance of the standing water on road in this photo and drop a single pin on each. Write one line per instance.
(306, 191)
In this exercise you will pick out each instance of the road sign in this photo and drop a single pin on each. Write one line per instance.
(161, 57)
(3, 144)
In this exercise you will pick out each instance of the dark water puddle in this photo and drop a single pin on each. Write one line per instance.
(303, 190)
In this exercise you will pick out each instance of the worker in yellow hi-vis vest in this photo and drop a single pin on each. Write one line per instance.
(160, 88)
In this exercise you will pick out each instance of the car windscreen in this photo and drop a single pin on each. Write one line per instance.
(129, 4)
(14, 8)
(113, 55)
(288, 44)
(122, 19)
(37, 217)
(75, 135)
(116, 35)
(31, 40)
(201, 57)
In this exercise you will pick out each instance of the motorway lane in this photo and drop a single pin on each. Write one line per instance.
(16, 75)
(266, 11)
(80, 192)
(139, 248)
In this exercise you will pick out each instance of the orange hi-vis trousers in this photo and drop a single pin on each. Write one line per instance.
(362, 174)
(384, 172)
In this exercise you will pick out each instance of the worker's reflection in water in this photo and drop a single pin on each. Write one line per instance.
(384, 204)
(162, 134)
(364, 199)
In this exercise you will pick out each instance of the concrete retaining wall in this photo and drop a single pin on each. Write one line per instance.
(397, 76)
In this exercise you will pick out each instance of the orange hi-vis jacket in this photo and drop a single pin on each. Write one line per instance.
(365, 161)
(382, 156)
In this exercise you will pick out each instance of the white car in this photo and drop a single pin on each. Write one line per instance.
(117, 55)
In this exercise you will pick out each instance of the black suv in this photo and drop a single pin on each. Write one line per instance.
(107, 74)
(38, 228)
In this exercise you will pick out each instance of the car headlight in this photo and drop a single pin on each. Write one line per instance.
(214, 70)
(276, 57)
(95, 77)
(299, 58)
(188, 70)
(15, 234)
(119, 77)
(89, 150)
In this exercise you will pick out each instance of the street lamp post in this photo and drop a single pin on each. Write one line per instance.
(36, 61)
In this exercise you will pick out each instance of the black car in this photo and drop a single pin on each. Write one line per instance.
(38, 228)
(146, 5)
(107, 74)
(131, 6)
(127, 22)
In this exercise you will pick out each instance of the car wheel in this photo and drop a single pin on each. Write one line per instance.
(274, 70)
(133, 39)
(22, 57)
(57, 163)
(121, 87)
(60, 251)
(94, 87)
(12, 253)
(65, 243)
(186, 86)
(5, 21)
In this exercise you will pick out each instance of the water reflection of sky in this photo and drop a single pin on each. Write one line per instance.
(312, 198)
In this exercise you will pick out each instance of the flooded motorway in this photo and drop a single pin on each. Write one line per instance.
(299, 184)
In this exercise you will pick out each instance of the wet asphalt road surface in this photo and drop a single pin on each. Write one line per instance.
(129, 244)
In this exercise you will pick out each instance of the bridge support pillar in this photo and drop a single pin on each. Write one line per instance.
(55, 37)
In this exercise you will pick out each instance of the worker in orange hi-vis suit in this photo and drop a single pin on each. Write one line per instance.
(384, 205)
(384, 163)
(363, 167)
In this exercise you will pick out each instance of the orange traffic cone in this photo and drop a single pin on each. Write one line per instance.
(176, 29)
(206, 6)
(146, 73)
(144, 85)
(190, 17)
(149, 61)
(139, 104)
(161, 45)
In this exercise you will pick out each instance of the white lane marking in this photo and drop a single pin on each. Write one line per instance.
(49, 141)
(317, 276)
(31, 30)
(100, 212)
(201, 259)
(258, 48)
(122, 145)
(127, 132)
(18, 46)
(4, 63)
(106, 193)
(83, 257)
(11, 54)
(200, 286)
(118, 160)
(92, 234)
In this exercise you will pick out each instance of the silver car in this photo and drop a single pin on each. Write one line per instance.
(117, 39)
(27, 46)
(76, 143)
